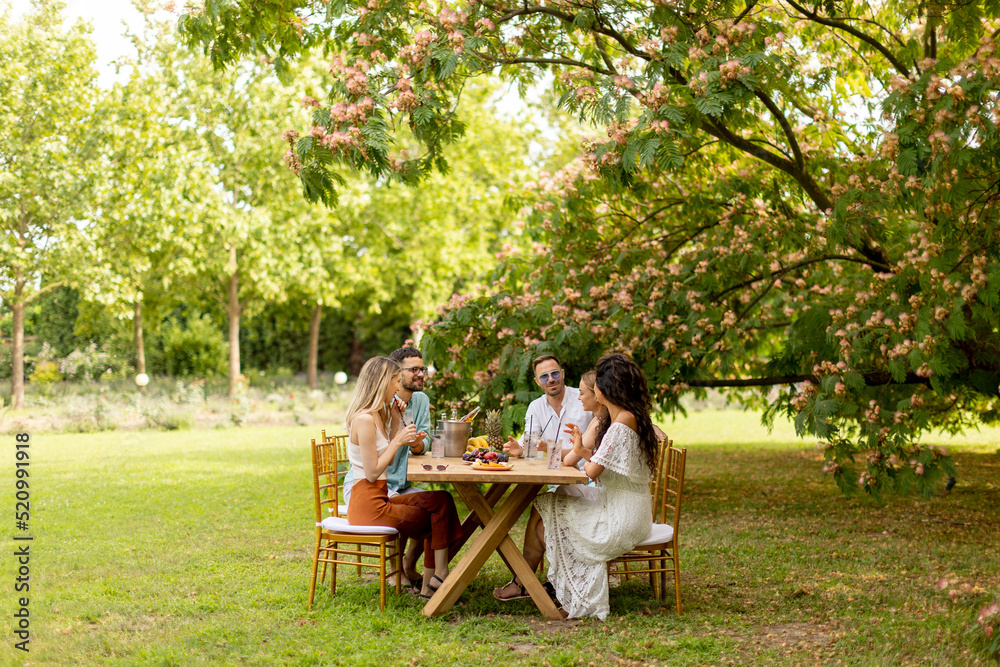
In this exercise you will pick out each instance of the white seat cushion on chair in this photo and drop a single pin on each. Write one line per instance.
(660, 534)
(341, 525)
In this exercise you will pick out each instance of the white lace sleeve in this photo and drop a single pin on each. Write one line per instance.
(619, 452)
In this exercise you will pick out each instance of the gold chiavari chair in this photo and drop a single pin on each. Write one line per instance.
(658, 554)
(336, 538)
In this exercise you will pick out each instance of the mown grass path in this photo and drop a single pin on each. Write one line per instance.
(193, 548)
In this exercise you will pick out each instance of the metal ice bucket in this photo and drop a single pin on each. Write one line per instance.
(456, 435)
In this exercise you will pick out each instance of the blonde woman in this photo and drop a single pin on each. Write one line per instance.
(429, 516)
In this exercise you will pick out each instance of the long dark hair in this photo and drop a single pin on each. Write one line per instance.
(623, 384)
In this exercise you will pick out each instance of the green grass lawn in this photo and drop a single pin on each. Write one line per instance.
(193, 548)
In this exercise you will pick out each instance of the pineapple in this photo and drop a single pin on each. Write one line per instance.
(494, 430)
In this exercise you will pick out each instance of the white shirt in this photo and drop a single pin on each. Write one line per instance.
(552, 424)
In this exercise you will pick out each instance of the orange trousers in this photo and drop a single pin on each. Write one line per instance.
(429, 515)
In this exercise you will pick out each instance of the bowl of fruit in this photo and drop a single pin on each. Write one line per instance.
(488, 460)
(485, 452)
(483, 455)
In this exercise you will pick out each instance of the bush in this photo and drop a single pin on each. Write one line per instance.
(31, 350)
(985, 632)
(93, 421)
(168, 420)
(54, 320)
(190, 393)
(90, 363)
(195, 348)
(6, 361)
(45, 373)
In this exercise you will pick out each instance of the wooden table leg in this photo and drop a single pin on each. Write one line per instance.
(495, 536)
(515, 559)
(494, 531)
(493, 496)
(474, 499)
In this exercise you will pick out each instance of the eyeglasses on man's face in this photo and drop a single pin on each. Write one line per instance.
(417, 370)
(555, 376)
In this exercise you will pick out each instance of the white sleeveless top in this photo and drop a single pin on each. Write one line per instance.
(354, 453)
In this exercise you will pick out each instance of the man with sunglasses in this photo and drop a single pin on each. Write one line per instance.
(557, 406)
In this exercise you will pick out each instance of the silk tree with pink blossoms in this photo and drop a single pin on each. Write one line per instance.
(794, 202)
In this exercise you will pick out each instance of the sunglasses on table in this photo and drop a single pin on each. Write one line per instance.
(555, 376)
(428, 466)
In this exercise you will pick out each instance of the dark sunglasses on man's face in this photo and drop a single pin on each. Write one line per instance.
(554, 375)
(416, 369)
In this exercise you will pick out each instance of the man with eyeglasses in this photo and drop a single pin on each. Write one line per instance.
(417, 404)
(557, 406)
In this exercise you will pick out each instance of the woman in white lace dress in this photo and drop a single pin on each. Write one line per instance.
(581, 533)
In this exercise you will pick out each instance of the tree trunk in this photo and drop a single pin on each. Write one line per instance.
(313, 361)
(140, 349)
(356, 359)
(17, 361)
(233, 309)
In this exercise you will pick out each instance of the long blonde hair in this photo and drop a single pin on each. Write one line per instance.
(590, 379)
(369, 394)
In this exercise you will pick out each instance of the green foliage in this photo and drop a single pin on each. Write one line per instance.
(796, 203)
(984, 631)
(278, 335)
(53, 318)
(48, 166)
(45, 373)
(166, 419)
(194, 347)
(737, 228)
(91, 362)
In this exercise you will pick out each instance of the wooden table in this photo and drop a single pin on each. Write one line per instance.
(528, 478)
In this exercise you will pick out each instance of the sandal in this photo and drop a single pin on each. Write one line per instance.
(430, 586)
(520, 595)
(550, 589)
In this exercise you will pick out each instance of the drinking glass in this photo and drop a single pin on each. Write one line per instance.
(437, 444)
(554, 454)
(531, 439)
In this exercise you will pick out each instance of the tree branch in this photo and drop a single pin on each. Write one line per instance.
(570, 18)
(543, 61)
(640, 222)
(604, 53)
(750, 5)
(43, 291)
(877, 379)
(867, 39)
(753, 382)
(720, 131)
(798, 265)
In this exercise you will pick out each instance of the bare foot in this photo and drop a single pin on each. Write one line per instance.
(409, 568)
